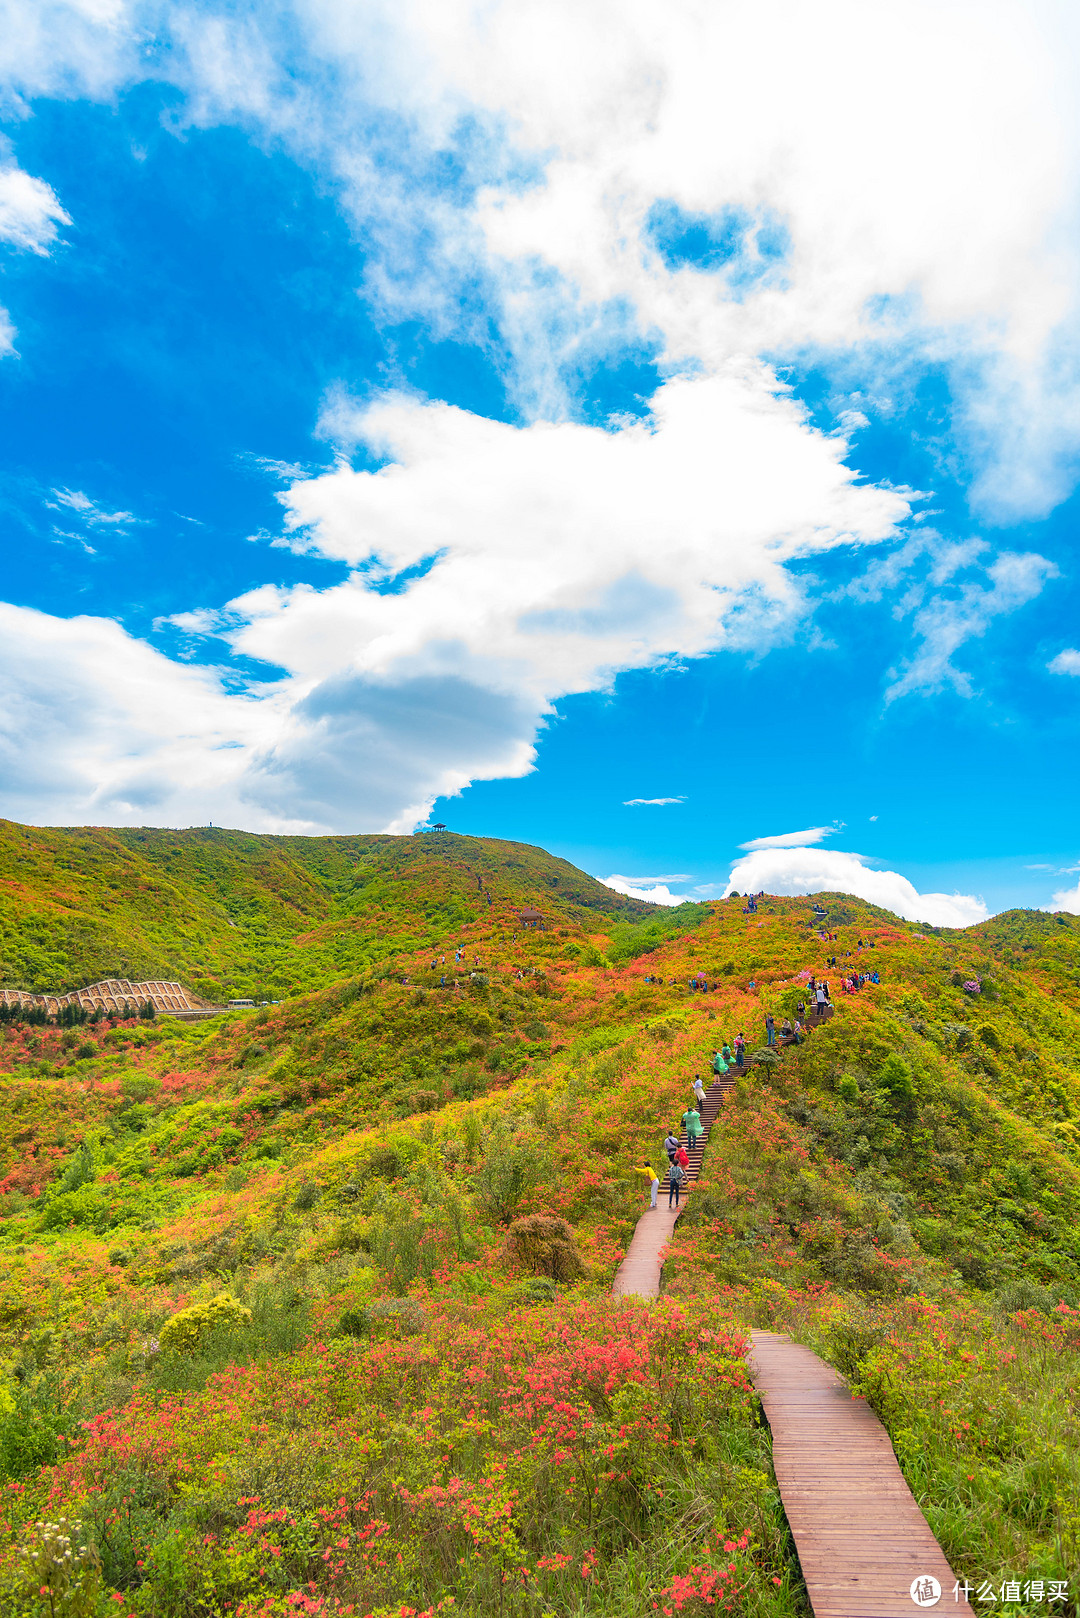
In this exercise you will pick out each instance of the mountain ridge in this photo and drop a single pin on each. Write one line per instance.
(236, 1255)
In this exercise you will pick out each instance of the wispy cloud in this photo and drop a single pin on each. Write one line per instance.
(89, 510)
(946, 622)
(670, 876)
(628, 803)
(790, 839)
(1066, 662)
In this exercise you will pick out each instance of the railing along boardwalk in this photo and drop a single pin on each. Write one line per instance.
(861, 1539)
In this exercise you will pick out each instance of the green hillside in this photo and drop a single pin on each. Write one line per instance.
(308, 1309)
(233, 914)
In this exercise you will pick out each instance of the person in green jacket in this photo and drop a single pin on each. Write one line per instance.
(691, 1122)
(720, 1061)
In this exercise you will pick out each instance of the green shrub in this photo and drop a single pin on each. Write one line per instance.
(184, 1331)
(79, 1171)
(541, 1289)
(545, 1245)
(894, 1076)
(85, 1207)
(29, 1435)
(511, 1169)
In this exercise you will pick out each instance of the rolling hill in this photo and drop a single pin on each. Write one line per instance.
(308, 1309)
(235, 914)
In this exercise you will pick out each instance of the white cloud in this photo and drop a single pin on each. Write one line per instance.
(557, 555)
(790, 839)
(96, 726)
(89, 510)
(639, 888)
(30, 213)
(1066, 899)
(832, 871)
(560, 554)
(946, 622)
(1066, 662)
(628, 803)
(30, 210)
(854, 128)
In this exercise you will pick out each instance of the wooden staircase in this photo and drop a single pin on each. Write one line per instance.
(714, 1097)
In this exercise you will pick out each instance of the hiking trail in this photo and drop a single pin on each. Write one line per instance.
(860, 1536)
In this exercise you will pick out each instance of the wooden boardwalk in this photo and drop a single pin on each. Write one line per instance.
(861, 1538)
(860, 1535)
(638, 1275)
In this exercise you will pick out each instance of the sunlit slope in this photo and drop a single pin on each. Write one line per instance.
(358, 1169)
(994, 1105)
(234, 913)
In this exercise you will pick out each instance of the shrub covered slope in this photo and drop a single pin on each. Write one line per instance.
(235, 914)
(307, 1309)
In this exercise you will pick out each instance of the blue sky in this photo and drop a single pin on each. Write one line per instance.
(398, 424)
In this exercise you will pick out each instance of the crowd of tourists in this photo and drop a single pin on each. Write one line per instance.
(792, 1031)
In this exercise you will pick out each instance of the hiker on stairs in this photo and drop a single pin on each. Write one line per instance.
(671, 1145)
(699, 1093)
(691, 1122)
(676, 1181)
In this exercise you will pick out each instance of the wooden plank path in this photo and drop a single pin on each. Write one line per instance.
(860, 1535)
(861, 1538)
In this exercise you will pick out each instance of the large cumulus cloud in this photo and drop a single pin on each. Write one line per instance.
(828, 870)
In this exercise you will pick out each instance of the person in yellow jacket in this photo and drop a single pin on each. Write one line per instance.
(654, 1182)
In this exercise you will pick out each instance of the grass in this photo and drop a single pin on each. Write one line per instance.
(373, 1167)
